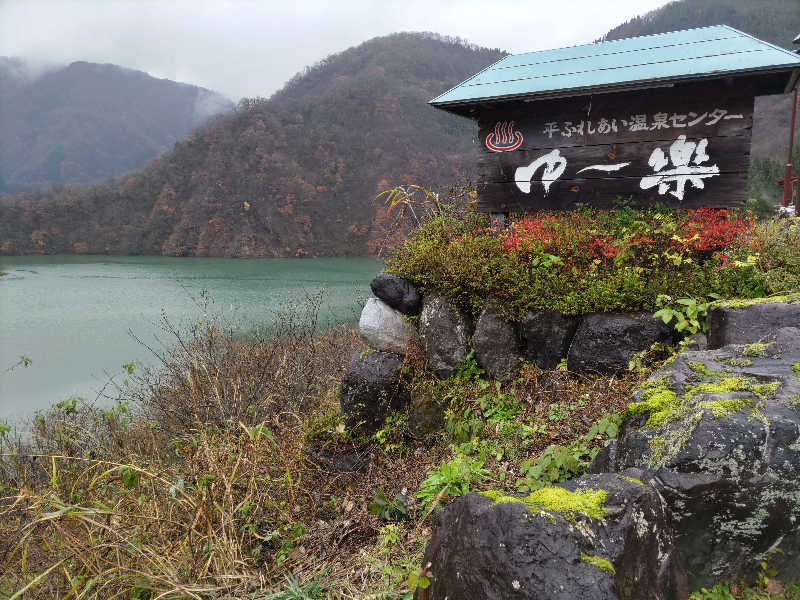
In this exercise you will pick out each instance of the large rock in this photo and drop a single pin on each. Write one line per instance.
(606, 342)
(547, 335)
(487, 548)
(719, 430)
(496, 344)
(747, 324)
(444, 331)
(397, 292)
(372, 388)
(384, 328)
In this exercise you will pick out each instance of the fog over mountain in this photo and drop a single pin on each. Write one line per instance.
(245, 48)
(85, 122)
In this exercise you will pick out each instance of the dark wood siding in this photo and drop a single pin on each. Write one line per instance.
(684, 147)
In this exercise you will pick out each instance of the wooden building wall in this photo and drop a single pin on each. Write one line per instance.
(684, 146)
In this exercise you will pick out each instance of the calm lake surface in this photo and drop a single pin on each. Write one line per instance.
(71, 315)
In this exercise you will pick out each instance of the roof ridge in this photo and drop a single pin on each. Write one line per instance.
(635, 37)
(544, 62)
(752, 37)
(616, 67)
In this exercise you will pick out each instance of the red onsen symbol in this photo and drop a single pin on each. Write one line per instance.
(504, 138)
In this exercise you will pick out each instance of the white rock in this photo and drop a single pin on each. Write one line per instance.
(384, 328)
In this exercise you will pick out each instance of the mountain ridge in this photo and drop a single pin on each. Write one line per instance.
(85, 122)
(294, 174)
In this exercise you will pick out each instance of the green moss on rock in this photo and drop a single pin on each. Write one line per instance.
(701, 369)
(664, 406)
(725, 408)
(724, 385)
(558, 500)
(745, 302)
(756, 349)
(737, 362)
(765, 390)
(632, 480)
(659, 401)
(599, 562)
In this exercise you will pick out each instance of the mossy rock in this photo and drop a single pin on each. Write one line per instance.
(719, 431)
(596, 537)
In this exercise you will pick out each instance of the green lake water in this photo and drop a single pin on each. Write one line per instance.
(71, 315)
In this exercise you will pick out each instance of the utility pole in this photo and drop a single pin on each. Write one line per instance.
(787, 178)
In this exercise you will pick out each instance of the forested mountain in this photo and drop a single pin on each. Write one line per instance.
(291, 175)
(297, 174)
(86, 122)
(776, 21)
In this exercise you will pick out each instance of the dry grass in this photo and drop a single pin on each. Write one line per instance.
(228, 473)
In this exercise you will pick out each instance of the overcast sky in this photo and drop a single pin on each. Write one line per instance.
(250, 48)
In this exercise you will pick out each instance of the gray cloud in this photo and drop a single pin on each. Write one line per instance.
(249, 48)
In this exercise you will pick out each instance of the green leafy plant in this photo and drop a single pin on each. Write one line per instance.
(607, 425)
(389, 536)
(720, 591)
(391, 435)
(294, 590)
(396, 510)
(419, 579)
(688, 313)
(557, 463)
(560, 462)
(469, 369)
(452, 478)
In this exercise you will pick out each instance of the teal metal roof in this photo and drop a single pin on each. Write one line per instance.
(619, 64)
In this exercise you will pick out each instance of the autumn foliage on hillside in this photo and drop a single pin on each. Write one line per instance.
(296, 174)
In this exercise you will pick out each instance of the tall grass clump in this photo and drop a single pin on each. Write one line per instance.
(197, 482)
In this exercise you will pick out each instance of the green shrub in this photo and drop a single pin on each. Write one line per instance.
(590, 260)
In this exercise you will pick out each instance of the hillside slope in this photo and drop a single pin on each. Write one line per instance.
(776, 21)
(293, 175)
(86, 122)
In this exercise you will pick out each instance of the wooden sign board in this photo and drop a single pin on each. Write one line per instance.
(684, 147)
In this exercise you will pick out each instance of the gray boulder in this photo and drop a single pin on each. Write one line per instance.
(606, 342)
(719, 431)
(547, 335)
(384, 328)
(614, 544)
(444, 332)
(372, 388)
(496, 344)
(397, 292)
(747, 324)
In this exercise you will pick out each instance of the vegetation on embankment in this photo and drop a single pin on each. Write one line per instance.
(229, 471)
(588, 260)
